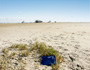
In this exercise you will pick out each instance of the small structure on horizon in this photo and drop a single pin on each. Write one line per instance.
(55, 22)
(49, 21)
(23, 22)
(38, 21)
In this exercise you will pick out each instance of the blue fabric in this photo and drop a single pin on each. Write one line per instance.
(48, 60)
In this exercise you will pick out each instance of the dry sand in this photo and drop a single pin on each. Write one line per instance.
(72, 40)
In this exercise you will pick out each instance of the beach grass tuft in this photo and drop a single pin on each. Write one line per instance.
(5, 50)
(19, 46)
(22, 50)
(24, 53)
(48, 51)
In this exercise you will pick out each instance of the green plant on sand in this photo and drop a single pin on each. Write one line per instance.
(25, 51)
(47, 51)
(19, 46)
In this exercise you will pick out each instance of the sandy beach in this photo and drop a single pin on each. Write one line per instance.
(72, 40)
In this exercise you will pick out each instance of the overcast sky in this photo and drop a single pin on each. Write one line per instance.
(45, 10)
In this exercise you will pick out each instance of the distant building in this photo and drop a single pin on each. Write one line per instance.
(49, 21)
(38, 21)
(23, 22)
(55, 22)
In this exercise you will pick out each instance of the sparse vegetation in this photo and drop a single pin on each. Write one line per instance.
(12, 54)
(19, 46)
(5, 51)
(21, 67)
(9, 55)
(2, 64)
(24, 51)
(4, 61)
(24, 54)
(46, 51)
(55, 67)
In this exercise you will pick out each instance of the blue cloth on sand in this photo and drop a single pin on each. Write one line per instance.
(48, 60)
